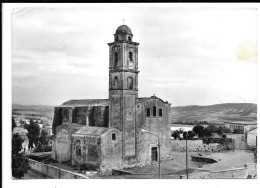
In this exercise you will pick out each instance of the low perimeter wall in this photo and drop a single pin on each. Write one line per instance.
(53, 172)
(247, 172)
(194, 145)
(207, 144)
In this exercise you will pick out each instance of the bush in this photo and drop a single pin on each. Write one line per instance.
(176, 134)
(19, 161)
(198, 129)
(207, 132)
(238, 131)
(191, 134)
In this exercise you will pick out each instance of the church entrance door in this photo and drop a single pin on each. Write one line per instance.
(154, 154)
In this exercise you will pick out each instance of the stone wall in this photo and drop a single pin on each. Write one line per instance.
(227, 143)
(89, 147)
(53, 172)
(251, 138)
(239, 141)
(247, 172)
(96, 116)
(194, 146)
(159, 125)
(61, 146)
(111, 151)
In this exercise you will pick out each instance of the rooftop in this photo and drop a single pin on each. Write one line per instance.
(123, 29)
(85, 102)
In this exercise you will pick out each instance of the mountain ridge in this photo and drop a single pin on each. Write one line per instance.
(217, 112)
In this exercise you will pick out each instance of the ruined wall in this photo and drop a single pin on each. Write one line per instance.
(79, 115)
(96, 116)
(111, 151)
(159, 125)
(57, 119)
(86, 150)
(61, 147)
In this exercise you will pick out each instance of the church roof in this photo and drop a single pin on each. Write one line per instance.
(141, 100)
(85, 102)
(95, 131)
(123, 29)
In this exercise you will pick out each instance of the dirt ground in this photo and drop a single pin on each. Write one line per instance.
(172, 169)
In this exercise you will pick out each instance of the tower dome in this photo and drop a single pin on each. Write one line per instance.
(123, 29)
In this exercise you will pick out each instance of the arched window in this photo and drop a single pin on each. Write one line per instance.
(115, 60)
(130, 56)
(115, 82)
(130, 83)
(129, 38)
(154, 111)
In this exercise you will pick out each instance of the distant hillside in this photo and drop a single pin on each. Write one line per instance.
(217, 112)
(34, 109)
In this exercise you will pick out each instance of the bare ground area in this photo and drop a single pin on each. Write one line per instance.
(172, 169)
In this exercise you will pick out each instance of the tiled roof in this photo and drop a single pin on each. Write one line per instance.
(85, 102)
(140, 100)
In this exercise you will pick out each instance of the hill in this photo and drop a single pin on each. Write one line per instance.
(217, 112)
(44, 110)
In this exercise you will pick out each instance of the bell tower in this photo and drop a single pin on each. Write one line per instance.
(123, 87)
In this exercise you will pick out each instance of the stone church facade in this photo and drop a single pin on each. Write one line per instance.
(107, 132)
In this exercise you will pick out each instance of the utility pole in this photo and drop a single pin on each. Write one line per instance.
(159, 149)
(187, 172)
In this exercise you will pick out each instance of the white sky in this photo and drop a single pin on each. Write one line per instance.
(187, 56)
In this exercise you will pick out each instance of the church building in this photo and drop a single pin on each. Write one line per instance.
(106, 133)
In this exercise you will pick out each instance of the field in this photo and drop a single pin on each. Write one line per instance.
(34, 110)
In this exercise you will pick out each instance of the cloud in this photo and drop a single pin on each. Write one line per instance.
(62, 53)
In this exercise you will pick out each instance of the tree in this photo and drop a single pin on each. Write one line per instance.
(191, 134)
(13, 123)
(33, 133)
(43, 138)
(176, 134)
(198, 129)
(185, 135)
(212, 128)
(226, 130)
(207, 132)
(180, 130)
(19, 161)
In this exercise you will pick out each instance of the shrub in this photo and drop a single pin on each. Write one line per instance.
(198, 129)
